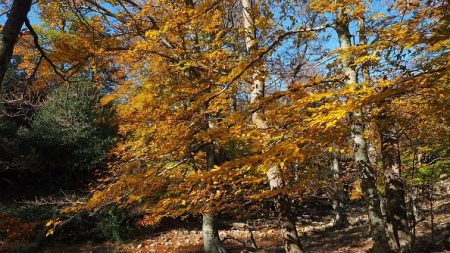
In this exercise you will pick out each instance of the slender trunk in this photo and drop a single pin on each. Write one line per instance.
(10, 33)
(396, 211)
(291, 239)
(376, 222)
(211, 239)
(414, 214)
(257, 89)
(362, 163)
(430, 198)
(340, 219)
(413, 195)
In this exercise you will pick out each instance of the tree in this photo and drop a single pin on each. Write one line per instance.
(396, 211)
(188, 43)
(290, 235)
(10, 32)
(71, 131)
(339, 198)
(195, 140)
(359, 144)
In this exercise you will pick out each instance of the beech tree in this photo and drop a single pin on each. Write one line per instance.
(290, 234)
(223, 105)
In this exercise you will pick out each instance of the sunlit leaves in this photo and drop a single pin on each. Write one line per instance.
(182, 78)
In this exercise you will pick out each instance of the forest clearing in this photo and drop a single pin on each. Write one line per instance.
(224, 126)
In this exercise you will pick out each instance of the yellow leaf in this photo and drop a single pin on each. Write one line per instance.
(50, 232)
(356, 192)
(49, 223)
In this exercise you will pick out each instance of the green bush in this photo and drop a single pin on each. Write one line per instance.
(70, 129)
(33, 213)
(110, 224)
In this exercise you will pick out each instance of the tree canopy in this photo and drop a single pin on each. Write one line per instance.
(215, 108)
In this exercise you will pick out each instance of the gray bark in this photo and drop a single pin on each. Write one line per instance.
(10, 33)
(257, 89)
(414, 211)
(376, 222)
(291, 239)
(396, 210)
(362, 163)
(340, 219)
(211, 239)
(372, 155)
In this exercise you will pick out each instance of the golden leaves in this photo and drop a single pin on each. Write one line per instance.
(51, 226)
(184, 85)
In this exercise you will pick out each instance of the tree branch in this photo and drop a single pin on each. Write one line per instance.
(264, 53)
(41, 50)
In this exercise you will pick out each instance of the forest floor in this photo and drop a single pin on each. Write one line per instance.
(317, 236)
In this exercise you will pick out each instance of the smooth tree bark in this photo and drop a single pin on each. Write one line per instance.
(10, 33)
(360, 147)
(211, 239)
(396, 210)
(291, 239)
(339, 199)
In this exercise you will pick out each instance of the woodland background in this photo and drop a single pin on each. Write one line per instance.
(224, 126)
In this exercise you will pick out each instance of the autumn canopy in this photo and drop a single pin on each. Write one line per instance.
(230, 109)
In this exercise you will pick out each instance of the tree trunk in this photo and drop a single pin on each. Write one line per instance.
(362, 163)
(376, 222)
(211, 239)
(291, 239)
(10, 32)
(372, 152)
(430, 199)
(257, 89)
(340, 219)
(396, 211)
(413, 197)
